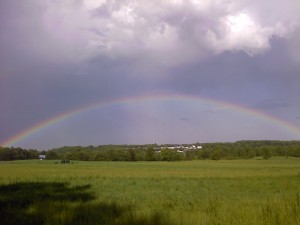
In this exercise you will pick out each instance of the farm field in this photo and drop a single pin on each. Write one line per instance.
(199, 192)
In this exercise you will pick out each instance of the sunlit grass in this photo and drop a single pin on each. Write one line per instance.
(193, 192)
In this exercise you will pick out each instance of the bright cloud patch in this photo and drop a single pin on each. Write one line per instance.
(92, 4)
(243, 34)
(169, 31)
(240, 23)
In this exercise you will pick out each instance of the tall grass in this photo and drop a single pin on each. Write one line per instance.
(196, 192)
(39, 203)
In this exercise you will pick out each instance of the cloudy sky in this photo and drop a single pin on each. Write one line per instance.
(228, 70)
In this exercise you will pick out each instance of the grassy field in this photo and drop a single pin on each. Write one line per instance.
(188, 192)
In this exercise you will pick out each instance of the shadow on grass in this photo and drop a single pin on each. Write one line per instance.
(39, 203)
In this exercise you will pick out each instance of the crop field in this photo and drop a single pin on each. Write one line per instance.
(199, 192)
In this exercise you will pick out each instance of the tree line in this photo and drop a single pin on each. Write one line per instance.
(154, 152)
(12, 153)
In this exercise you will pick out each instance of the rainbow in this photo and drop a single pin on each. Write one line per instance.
(136, 99)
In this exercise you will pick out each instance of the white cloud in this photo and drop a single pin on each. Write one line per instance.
(93, 4)
(169, 31)
(241, 33)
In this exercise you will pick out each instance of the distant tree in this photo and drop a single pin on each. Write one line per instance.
(217, 154)
(171, 155)
(190, 154)
(203, 154)
(12, 153)
(266, 153)
(251, 153)
(51, 155)
(43, 152)
(150, 154)
(294, 151)
(132, 155)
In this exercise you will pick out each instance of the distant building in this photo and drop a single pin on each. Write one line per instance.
(41, 157)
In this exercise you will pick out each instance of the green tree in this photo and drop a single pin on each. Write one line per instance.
(266, 153)
(190, 154)
(51, 155)
(171, 155)
(150, 154)
(217, 154)
(132, 154)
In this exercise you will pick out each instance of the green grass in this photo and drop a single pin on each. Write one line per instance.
(190, 192)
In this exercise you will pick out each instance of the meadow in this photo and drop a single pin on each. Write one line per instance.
(199, 192)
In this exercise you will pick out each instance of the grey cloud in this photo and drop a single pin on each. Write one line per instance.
(294, 47)
(156, 30)
(271, 104)
(164, 32)
(192, 28)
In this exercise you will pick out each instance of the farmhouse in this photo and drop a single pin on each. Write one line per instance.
(41, 157)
